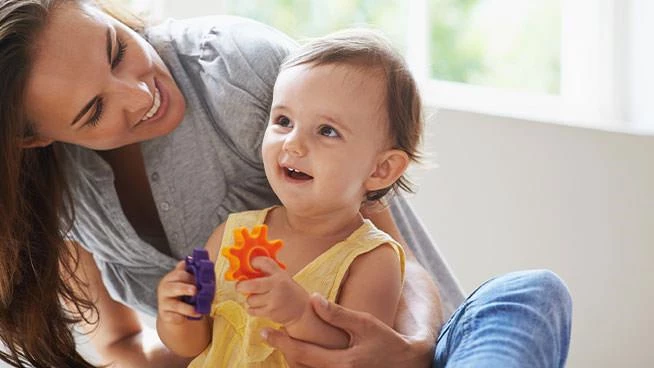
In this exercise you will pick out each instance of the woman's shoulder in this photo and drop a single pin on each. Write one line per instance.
(226, 35)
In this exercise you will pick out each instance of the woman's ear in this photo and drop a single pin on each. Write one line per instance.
(36, 142)
(390, 166)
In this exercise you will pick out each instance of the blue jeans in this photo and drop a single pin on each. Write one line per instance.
(521, 319)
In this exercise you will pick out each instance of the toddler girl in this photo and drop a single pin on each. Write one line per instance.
(344, 125)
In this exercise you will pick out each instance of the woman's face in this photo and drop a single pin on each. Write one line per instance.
(98, 84)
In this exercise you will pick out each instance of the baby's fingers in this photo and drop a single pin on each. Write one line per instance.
(177, 289)
(254, 286)
(257, 300)
(179, 273)
(266, 265)
(176, 311)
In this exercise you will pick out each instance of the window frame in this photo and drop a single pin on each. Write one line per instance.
(592, 88)
(597, 68)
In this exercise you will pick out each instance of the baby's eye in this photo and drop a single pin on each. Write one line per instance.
(328, 131)
(283, 121)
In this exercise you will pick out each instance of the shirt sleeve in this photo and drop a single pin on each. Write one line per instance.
(239, 61)
(427, 253)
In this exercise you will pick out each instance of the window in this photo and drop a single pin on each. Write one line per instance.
(312, 18)
(499, 43)
(567, 61)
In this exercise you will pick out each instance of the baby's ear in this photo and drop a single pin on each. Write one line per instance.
(391, 164)
(36, 142)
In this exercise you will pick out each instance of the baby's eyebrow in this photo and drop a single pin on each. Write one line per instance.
(279, 107)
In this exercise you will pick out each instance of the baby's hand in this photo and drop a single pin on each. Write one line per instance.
(172, 287)
(275, 296)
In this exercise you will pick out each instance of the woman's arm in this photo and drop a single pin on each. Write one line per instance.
(119, 337)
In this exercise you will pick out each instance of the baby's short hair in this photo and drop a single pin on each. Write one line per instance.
(370, 50)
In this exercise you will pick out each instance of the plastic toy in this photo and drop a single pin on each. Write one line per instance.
(202, 269)
(248, 245)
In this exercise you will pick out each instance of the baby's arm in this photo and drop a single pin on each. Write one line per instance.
(184, 336)
(278, 297)
(373, 285)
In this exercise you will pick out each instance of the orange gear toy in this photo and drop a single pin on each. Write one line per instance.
(248, 245)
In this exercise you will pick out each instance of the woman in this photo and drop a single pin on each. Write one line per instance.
(120, 154)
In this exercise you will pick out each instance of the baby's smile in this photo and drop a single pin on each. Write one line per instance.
(297, 174)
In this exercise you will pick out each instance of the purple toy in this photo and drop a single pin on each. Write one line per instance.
(202, 269)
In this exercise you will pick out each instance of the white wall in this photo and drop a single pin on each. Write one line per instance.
(511, 194)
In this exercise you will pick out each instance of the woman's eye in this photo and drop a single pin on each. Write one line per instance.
(283, 121)
(328, 131)
(97, 114)
(120, 54)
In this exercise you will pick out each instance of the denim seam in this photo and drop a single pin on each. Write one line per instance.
(468, 325)
(454, 322)
(458, 314)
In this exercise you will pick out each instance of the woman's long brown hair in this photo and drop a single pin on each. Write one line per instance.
(37, 279)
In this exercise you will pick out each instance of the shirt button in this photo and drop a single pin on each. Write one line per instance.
(165, 206)
(155, 176)
(173, 237)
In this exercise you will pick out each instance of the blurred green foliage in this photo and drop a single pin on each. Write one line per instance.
(303, 19)
(511, 44)
(452, 58)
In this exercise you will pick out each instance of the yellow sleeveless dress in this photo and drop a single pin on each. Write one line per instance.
(236, 341)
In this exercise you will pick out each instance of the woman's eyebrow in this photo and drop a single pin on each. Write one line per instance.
(85, 109)
(94, 99)
(109, 45)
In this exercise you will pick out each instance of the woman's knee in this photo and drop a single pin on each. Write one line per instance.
(537, 301)
(540, 290)
(549, 290)
(530, 309)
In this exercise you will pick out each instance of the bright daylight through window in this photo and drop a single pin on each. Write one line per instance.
(569, 61)
(499, 43)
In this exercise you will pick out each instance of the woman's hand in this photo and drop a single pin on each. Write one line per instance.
(372, 343)
(177, 283)
(276, 296)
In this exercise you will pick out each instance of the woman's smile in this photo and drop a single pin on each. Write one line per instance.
(160, 103)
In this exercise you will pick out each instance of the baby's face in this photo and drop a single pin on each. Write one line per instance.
(328, 127)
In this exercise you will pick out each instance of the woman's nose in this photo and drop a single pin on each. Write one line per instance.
(135, 97)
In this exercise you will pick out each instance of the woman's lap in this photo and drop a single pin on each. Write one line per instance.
(521, 319)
